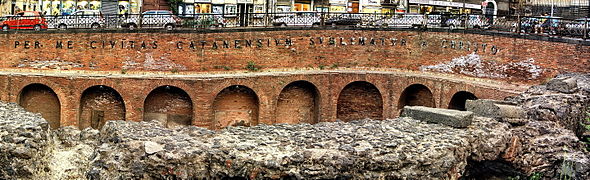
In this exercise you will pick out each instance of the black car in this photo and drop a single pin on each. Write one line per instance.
(345, 19)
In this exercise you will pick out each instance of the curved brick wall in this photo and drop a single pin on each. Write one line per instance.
(39, 98)
(298, 103)
(501, 57)
(98, 105)
(259, 76)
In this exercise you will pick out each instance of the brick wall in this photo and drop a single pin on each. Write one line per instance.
(416, 95)
(215, 101)
(41, 99)
(256, 95)
(98, 105)
(170, 105)
(298, 103)
(230, 51)
(458, 100)
(360, 100)
(236, 106)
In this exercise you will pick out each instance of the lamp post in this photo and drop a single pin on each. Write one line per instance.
(552, 4)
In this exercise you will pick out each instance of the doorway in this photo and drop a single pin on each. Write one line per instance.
(245, 10)
(353, 6)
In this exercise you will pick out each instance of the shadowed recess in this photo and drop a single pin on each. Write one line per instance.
(416, 95)
(99, 104)
(39, 98)
(298, 103)
(359, 100)
(235, 105)
(458, 100)
(169, 105)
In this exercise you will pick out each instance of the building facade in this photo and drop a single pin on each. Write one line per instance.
(66, 7)
(558, 8)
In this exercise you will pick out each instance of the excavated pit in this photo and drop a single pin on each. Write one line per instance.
(491, 146)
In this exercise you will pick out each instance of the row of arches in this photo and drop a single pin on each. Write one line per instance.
(236, 105)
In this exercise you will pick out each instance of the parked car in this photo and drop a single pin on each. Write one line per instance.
(540, 24)
(205, 21)
(408, 20)
(151, 19)
(473, 21)
(297, 19)
(400, 20)
(25, 20)
(576, 27)
(92, 19)
(345, 19)
(527, 25)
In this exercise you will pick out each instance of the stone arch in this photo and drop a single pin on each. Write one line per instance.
(99, 104)
(416, 95)
(169, 105)
(359, 100)
(458, 100)
(236, 105)
(298, 102)
(40, 98)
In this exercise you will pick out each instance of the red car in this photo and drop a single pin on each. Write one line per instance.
(25, 20)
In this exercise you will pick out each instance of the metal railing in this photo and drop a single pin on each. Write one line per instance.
(521, 25)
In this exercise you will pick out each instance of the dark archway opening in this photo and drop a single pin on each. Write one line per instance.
(359, 100)
(169, 105)
(236, 106)
(416, 95)
(458, 100)
(39, 98)
(98, 105)
(491, 170)
(298, 103)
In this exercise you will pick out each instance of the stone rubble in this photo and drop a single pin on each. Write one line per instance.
(563, 99)
(401, 148)
(51, 64)
(449, 117)
(473, 65)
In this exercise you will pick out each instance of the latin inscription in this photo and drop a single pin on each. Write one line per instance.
(261, 43)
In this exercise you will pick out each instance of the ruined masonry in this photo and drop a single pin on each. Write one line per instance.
(513, 141)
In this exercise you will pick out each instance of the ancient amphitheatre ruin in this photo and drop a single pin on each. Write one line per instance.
(190, 100)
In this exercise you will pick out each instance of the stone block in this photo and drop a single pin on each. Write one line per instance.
(563, 85)
(453, 118)
(494, 109)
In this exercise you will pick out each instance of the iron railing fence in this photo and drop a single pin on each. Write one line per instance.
(521, 25)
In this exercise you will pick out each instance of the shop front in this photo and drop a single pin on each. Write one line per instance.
(23, 5)
(443, 7)
(302, 5)
(283, 6)
(353, 6)
(217, 6)
(338, 6)
(321, 5)
(259, 6)
(370, 6)
(202, 6)
(245, 9)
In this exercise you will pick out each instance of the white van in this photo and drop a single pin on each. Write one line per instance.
(297, 19)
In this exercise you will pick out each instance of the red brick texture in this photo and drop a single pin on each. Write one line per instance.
(214, 101)
(169, 105)
(298, 103)
(236, 105)
(171, 52)
(138, 86)
(41, 99)
(99, 104)
(359, 100)
(416, 95)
